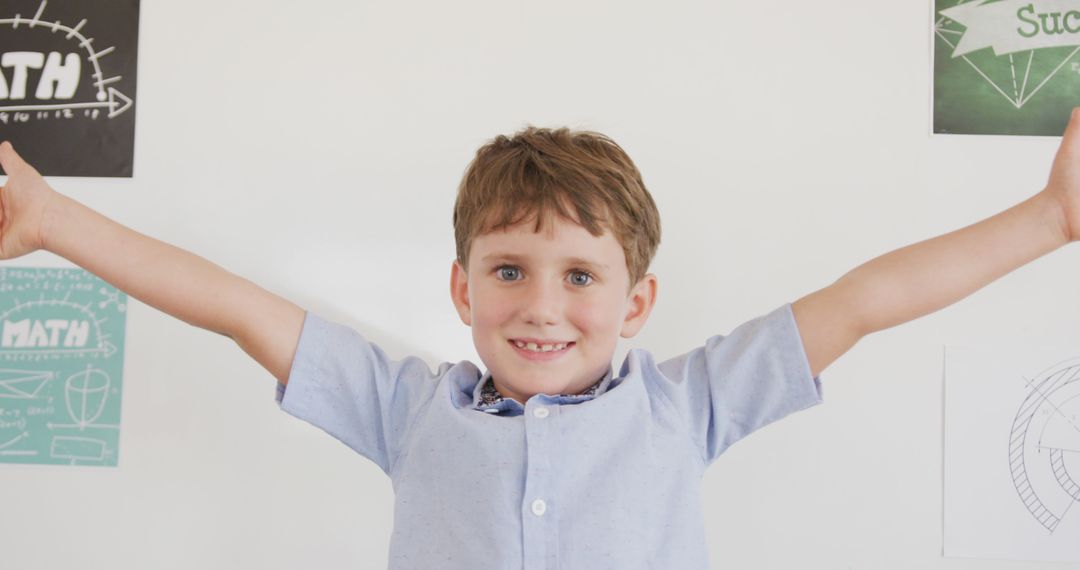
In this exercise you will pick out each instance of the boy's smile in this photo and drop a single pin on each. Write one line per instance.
(547, 308)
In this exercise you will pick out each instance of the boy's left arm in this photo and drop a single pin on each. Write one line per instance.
(930, 275)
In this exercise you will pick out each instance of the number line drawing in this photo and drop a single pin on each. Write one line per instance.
(1044, 438)
(1020, 97)
(111, 98)
(101, 345)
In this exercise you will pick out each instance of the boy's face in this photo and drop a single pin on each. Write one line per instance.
(560, 286)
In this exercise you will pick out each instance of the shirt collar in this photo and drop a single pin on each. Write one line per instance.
(486, 397)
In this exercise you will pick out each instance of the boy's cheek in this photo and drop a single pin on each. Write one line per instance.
(490, 314)
(597, 314)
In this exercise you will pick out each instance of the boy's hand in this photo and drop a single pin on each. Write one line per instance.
(23, 201)
(184, 285)
(1064, 184)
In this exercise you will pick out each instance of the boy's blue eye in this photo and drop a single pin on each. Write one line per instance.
(508, 272)
(581, 278)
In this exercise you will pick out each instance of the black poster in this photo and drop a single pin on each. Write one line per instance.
(67, 84)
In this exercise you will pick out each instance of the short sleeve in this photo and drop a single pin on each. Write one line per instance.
(349, 388)
(736, 384)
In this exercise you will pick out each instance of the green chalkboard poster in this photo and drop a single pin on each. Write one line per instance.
(1009, 67)
(61, 359)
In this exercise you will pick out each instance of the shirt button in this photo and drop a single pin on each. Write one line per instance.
(541, 412)
(539, 507)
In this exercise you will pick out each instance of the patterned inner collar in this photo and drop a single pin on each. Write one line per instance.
(490, 395)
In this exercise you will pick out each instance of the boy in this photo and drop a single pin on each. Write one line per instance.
(550, 459)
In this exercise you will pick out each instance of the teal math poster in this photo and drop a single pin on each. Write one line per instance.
(61, 364)
(1006, 67)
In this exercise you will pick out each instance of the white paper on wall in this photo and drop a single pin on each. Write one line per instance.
(1012, 453)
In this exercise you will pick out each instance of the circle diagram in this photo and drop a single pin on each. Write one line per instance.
(1044, 444)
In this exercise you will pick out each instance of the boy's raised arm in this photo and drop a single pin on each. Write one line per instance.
(34, 216)
(922, 278)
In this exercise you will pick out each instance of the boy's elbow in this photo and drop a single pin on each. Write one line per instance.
(856, 306)
(273, 341)
(830, 321)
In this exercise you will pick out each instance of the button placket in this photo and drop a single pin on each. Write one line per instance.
(538, 526)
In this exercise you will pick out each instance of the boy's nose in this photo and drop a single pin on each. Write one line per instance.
(542, 305)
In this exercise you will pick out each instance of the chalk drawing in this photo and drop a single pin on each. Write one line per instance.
(22, 384)
(61, 364)
(110, 98)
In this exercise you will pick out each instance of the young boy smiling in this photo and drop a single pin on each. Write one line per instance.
(546, 308)
(554, 235)
(550, 458)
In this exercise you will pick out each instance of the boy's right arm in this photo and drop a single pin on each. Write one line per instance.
(927, 276)
(188, 287)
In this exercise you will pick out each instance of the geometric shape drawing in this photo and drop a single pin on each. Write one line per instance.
(78, 448)
(85, 394)
(1005, 66)
(22, 384)
(67, 84)
(1012, 451)
(1044, 445)
(61, 367)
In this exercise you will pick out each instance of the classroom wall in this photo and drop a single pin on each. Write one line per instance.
(315, 148)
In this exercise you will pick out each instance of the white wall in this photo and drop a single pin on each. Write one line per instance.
(315, 148)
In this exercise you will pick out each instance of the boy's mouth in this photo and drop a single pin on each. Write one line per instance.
(540, 350)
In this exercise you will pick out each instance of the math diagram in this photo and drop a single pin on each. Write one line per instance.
(67, 84)
(61, 360)
(1009, 67)
(1012, 450)
(1044, 445)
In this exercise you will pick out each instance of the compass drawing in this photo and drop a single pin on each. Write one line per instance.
(1044, 445)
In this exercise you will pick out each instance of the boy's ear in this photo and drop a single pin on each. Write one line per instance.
(459, 292)
(639, 305)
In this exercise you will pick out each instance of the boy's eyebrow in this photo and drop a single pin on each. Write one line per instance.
(519, 258)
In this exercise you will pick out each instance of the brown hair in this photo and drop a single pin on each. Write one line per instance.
(583, 176)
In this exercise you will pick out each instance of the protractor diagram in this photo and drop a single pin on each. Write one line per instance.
(60, 75)
(1044, 445)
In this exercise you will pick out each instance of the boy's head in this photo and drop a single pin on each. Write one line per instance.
(581, 176)
(555, 231)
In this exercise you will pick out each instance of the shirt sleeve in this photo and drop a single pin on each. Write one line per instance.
(736, 384)
(346, 386)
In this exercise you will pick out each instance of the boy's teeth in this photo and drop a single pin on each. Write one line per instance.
(540, 348)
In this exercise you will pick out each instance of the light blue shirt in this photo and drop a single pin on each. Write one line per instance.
(564, 482)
